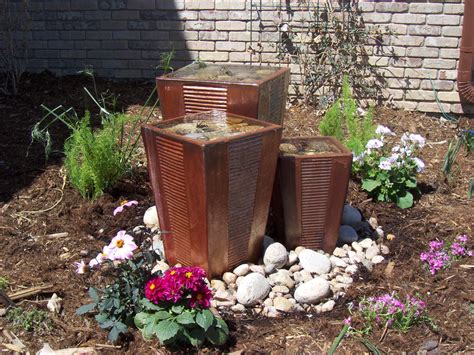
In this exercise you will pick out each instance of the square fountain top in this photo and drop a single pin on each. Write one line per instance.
(229, 73)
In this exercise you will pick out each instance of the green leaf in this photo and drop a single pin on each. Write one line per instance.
(223, 325)
(185, 318)
(93, 294)
(405, 201)
(195, 336)
(148, 330)
(147, 304)
(141, 319)
(161, 315)
(101, 318)
(338, 339)
(410, 183)
(85, 308)
(178, 309)
(370, 185)
(114, 334)
(204, 319)
(217, 336)
(166, 330)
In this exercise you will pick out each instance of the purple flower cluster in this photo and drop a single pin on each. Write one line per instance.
(180, 284)
(439, 256)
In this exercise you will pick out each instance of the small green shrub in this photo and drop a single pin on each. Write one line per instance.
(4, 283)
(343, 122)
(36, 320)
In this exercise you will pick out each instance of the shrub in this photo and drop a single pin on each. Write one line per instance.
(343, 122)
(34, 320)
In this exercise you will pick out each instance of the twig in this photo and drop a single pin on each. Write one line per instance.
(107, 346)
(32, 291)
(385, 330)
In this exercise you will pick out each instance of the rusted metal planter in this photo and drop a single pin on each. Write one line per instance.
(252, 91)
(212, 197)
(309, 195)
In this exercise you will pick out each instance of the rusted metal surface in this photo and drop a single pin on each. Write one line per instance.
(309, 196)
(263, 99)
(466, 54)
(212, 196)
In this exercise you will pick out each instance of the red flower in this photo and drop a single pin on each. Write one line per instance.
(155, 290)
(201, 297)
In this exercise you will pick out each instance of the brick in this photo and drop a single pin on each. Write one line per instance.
(441, 42)
(230, 4)
(397, 29)
(184, 35)
(199, 5)
(112, 4)
(408, 62)
(131, 35)
(56, 5)
(213, 36)
(424, 30)
(423, 8)
(230, 25)
(420, 73)
(170, 5)
(214, 56)
(70, 15)
(432, 107)
(46, 53)
(420, 95)
(439, 63)
(97, 35)
(378, 61)
(366, 7)
(72, 35)
(115, 63)
(73, 53)
(269, 58)
(442, 85)
(140, 4)
(61, 63)
(376, 18)
(395, 83)
(239, 57)
(200, 46)
(406, 105)
(141, 25)
(115, 44)
(126, 15)
(45, 35)
(171, 25)
(407, 41)
(117, 54)
(128, 73)
(60, 44)
(244, 15)
(449, 53)
(199, 25)
(87, 44)
(452, 31)
(35, 44)
(114, 25)
(97, 15)
(84, 5)
(457, 9)
(448, 96)
(244, 36)
(157, 36)
(188, 15)
(444, 20)
(391, 7)
(391, 72)
(415, 19)
(230, 46)
(393, 94)
(462, 108)
(142, 64)
(448, 74)
(213, 15)
(422, 52)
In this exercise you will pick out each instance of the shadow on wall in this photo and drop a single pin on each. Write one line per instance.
(114, 37)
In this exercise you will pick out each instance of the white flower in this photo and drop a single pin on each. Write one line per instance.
(384, 131)
(81, 268)
(121, 246)
(374, 144)
(358, 158)
(420, 165)
(418, 140)
(385, 165)
(100, 258)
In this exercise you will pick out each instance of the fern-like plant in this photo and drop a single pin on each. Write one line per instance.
(343, 122)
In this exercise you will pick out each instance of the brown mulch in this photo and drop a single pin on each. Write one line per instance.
(29, 257)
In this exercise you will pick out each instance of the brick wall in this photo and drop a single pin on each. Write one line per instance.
(124, 39)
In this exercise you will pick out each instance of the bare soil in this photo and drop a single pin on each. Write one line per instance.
(36, 201)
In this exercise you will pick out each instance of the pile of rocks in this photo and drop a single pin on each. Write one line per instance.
(301, 280)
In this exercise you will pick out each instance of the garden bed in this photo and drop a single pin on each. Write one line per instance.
(35, 205)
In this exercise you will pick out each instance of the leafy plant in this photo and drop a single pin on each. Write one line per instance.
(343, 122)
(35, 320)
(176, 309)
(118, 303)
(450, 166)
(331, 42)
(390, 174)
(4, 283)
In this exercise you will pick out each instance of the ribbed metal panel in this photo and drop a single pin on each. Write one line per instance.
(170, 154)
(277, 99)
(204, 98)
(315, 181)
(244, 163)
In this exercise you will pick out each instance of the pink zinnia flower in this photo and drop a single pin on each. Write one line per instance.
(124, 204)
(121, 247)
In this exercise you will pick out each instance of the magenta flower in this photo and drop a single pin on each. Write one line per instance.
(81, 267)
(347, 321)
(124, 204)
(201, 297)
(121, 247)
(462, 238)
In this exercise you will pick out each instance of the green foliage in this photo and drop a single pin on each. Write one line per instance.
(450, 166)
(35, 320)
(180, 324)
(470, 189)
(342, 121)
(4, 283)
(337, 341)
(94, 159)
(119, 302)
